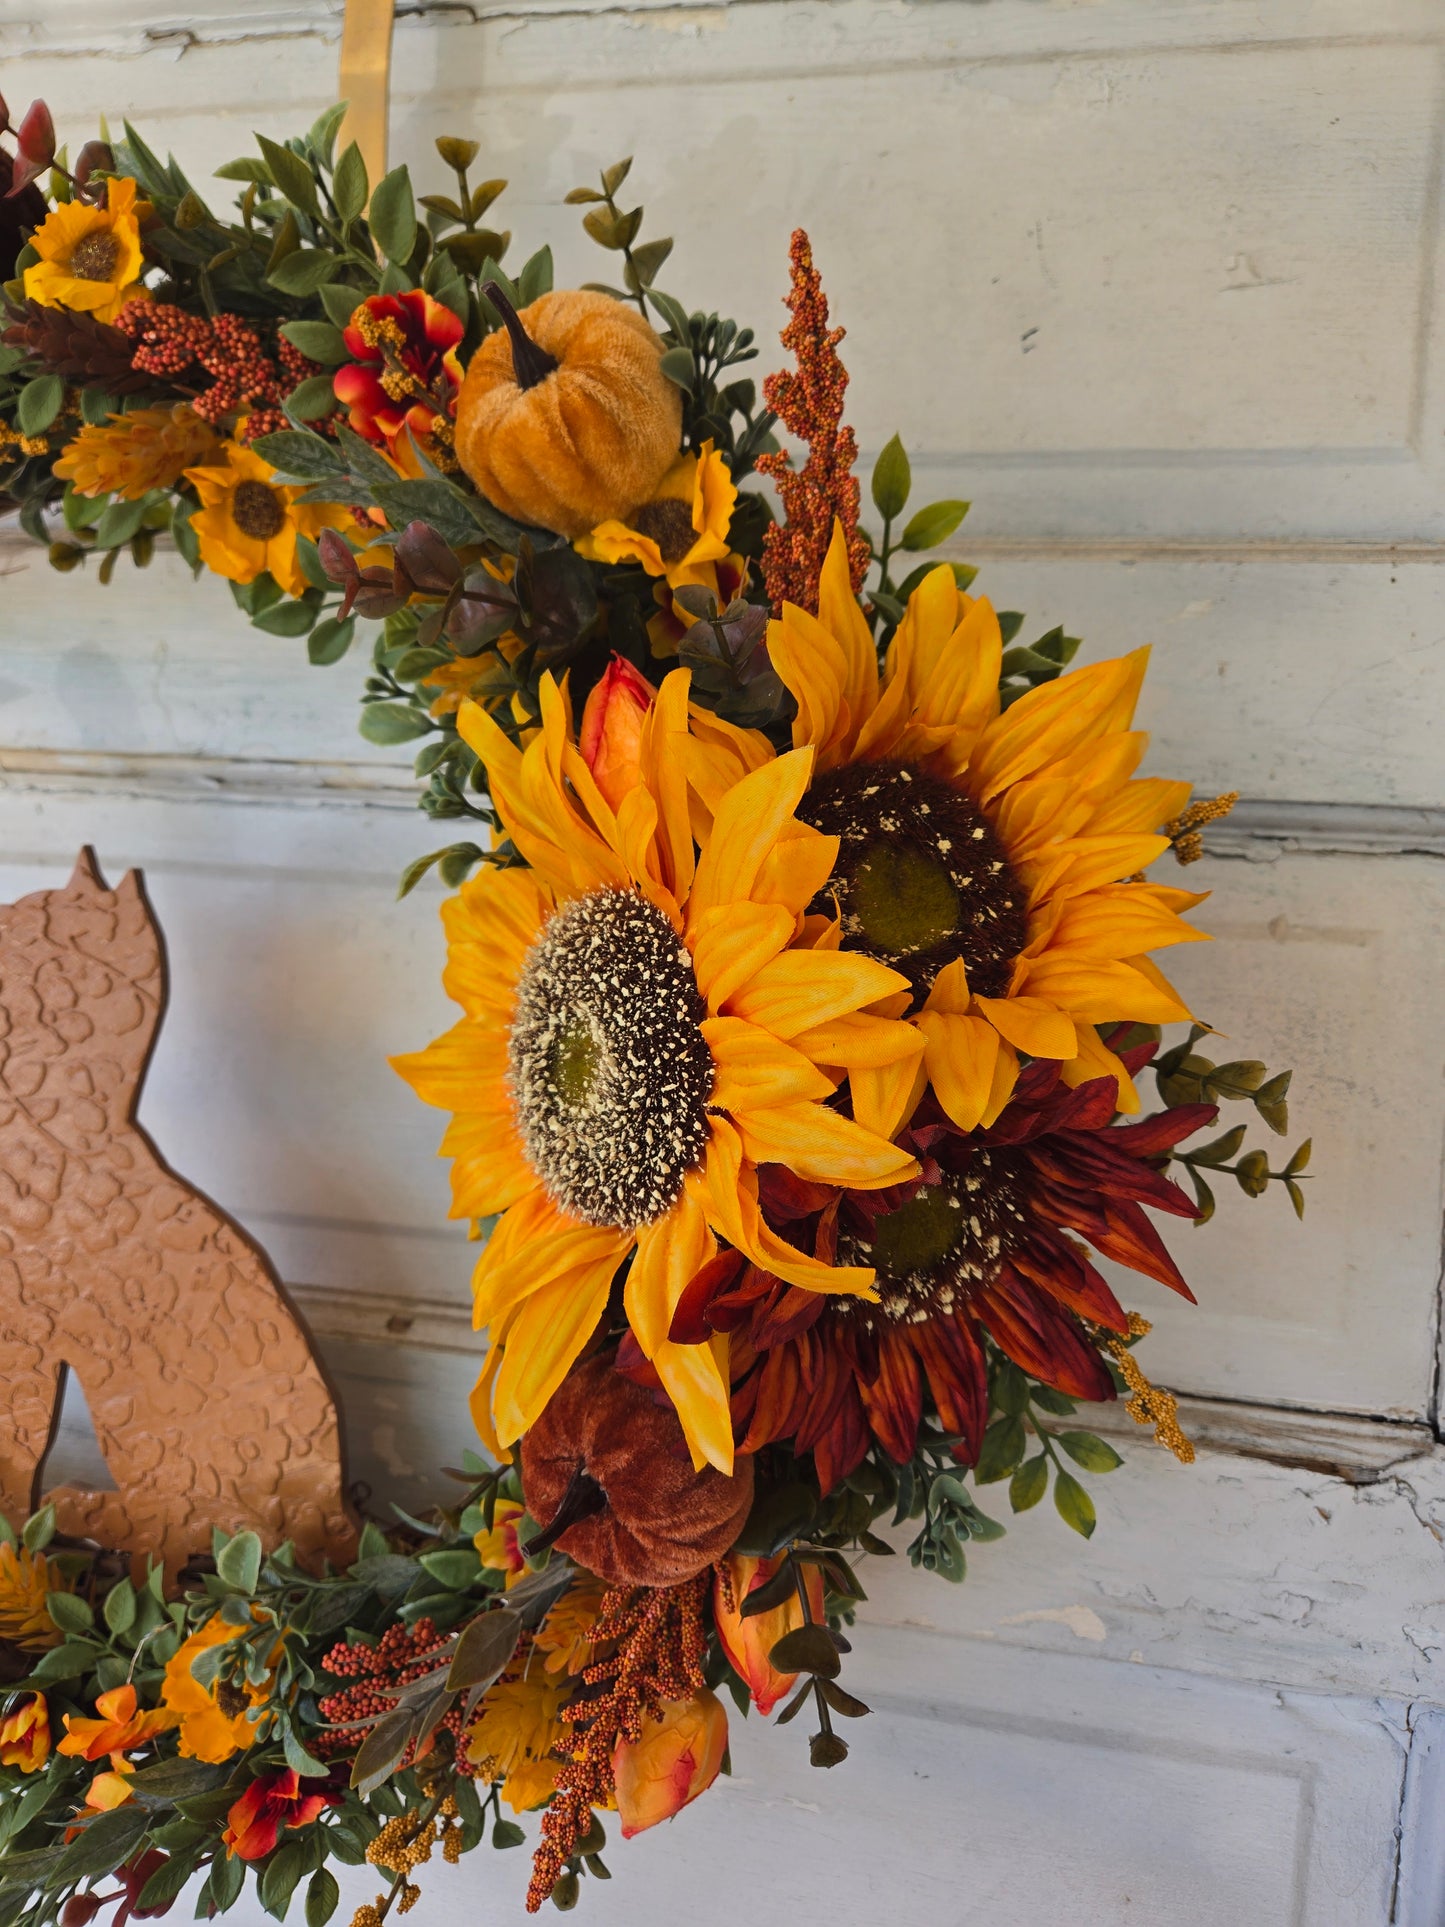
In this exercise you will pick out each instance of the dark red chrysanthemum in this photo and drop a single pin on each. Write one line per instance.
(988, 1240)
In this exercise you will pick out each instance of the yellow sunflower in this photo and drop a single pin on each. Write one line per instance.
(682, 531)
(26, 1582)
(131, 454)
(639, 1035)
(90, 258)
(994, 859)
(248, 524)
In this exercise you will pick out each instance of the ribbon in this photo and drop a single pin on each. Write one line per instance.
(366, 79)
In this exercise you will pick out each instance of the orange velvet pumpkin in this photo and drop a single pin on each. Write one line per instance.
(607, 1475)
(565, 418)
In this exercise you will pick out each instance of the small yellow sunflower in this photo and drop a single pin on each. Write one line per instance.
(131, 454)
(248, 524)
(90, 258)
(992, 858)
(682, 531)
(639, 1035)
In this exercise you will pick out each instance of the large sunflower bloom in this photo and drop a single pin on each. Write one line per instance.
(993, 858)
(638, 1038)
(90, 257)
(988, 1242)
(247, 524)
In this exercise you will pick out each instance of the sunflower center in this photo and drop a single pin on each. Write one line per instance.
(946, 1242)
(669, 524)
(256, 510)
(921, 877)
(94, 256)
(609, 1069)
(230, 1699)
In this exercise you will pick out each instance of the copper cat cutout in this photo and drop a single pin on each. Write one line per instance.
(209, 1407)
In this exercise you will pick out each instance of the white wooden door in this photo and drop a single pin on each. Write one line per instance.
(1157, 283)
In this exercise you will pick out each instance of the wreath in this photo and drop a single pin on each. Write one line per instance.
(810, 1050)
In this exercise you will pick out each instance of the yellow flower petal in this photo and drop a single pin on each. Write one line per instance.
(819, 1144)
(754, 1068)
(804, 988)
(1030, 1025)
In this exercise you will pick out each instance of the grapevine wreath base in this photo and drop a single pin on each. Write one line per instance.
(802, 938)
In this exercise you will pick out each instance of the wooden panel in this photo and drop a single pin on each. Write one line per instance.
(1317, 679)
(294, 975)
(1025, 1788)
(1125, 251)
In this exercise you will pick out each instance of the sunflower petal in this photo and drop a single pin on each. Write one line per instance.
(800, 989)
(746, 824)
(884, 1099)
(729, 946)
(1031, 1025)
(1055, 719)
(857, 1041)
(727, 1189)
(960, 1054)
(817, 1143)
(544, 1340)
(754, 1068)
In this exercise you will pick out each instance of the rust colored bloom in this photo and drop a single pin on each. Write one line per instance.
(810, 403)
(747, 1642)
(405, 374)
(25, 1732)
(986, 1241)
(677, 1755)
(611, 735)
(120, 1727)
(275, 1801)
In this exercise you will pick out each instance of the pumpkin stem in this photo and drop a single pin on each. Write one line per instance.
(530, 364)
(583, 1499)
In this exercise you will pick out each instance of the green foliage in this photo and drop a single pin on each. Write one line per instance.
(1184, 1076)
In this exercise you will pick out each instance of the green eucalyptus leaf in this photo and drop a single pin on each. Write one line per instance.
(892, 480)
(933, 525)
(1073, 1504)
(1094, 1454)
(393, 216)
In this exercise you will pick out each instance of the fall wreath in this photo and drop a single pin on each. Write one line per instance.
(803, 946)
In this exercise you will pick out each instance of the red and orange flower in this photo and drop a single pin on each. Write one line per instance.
(404, 376)
(271, 1803)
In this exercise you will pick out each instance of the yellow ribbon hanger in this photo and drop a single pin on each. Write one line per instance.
(366, 79)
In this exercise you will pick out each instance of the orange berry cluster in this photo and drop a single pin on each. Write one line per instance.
(246, 380)
(658, 1641)
(401, 1655)
(809, 400)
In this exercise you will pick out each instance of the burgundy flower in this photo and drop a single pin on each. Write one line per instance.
(986, 1241)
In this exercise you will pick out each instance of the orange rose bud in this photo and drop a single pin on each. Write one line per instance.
(677, 1757)
(611, 734)
(747, 1642)
(25, 1732)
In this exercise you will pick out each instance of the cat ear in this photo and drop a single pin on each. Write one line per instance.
(85, 878)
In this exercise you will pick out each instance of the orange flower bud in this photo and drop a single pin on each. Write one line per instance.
(747, 1642)
(677, 1757)
(25, 1732)
(611, 734)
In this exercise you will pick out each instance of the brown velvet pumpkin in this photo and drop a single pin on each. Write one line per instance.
(565, 418)
(607, 1457)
